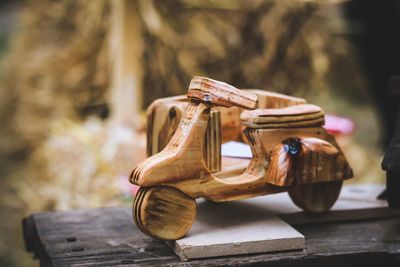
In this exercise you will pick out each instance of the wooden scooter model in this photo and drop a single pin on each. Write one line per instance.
(291, 152)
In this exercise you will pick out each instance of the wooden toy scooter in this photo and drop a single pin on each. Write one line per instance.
(291, 152)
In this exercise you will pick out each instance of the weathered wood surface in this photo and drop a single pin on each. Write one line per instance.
(218, 230)
(107, 237)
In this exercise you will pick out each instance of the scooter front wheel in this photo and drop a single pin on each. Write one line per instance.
(163, 212)
(315, 197)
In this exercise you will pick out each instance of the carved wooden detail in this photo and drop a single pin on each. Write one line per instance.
(305, 115)
(299, 157)
(315, 197)
(163, 212)
(220, 94)
(306, 160)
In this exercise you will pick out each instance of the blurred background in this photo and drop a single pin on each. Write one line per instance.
(76, 77)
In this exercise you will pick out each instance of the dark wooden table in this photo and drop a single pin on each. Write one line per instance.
(108, 237)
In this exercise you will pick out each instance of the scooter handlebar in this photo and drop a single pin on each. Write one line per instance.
(217, 93)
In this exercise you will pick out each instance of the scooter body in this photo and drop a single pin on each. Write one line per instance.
(291, 152)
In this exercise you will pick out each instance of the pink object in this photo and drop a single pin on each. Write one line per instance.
(126, 187)
(338, 125)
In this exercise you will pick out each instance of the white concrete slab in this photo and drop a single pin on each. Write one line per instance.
(220, 230)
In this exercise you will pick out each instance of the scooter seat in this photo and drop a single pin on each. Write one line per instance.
(305, 115)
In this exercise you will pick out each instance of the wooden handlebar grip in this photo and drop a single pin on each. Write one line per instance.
(212, 92)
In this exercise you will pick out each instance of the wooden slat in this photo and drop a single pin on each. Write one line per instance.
(212, 143)
(107, 237)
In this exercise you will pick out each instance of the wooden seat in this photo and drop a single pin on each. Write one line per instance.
(305, 115)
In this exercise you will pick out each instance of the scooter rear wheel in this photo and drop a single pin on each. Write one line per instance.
(315, 197)
(163, 212)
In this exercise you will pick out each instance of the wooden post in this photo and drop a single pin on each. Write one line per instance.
(212, 142)
(126, 53)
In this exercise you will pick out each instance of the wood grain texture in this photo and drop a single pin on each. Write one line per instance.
(163, 117)
(281, 166)
(315, 197)
(174, 167)
(166, 112)
(107, 237)
(269, 138)
(221, 94)
(212, 142)
(171, 164)
(190, 175)
(268, 99)
(231, 128)
(313, 160)
(191, 161)
(320, 161)
(290, 117)
(163, 212)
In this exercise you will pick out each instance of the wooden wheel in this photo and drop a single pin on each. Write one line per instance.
(163, 212)
(315, 197)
